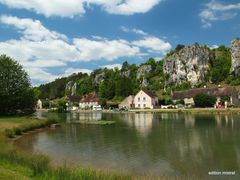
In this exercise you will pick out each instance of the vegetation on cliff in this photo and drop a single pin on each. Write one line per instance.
(115, 84)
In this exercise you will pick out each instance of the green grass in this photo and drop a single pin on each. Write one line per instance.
(18, 126)
(22, 166)
(33, 166)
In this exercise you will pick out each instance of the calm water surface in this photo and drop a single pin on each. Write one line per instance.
(143, 143)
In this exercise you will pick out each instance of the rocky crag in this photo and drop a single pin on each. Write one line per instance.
(189, 64)
(235, 53)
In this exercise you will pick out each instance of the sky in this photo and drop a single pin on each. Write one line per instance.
(56, 38)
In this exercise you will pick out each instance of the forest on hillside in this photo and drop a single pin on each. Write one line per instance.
(116, 84)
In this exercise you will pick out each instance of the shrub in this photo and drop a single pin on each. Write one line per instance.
(10, 133)
(204, 100)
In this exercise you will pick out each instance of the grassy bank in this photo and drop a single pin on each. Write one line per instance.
(193, 110)
(21, 166)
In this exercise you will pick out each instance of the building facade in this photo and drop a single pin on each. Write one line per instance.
(89, 100)
(229, 91)
(128, 102)
(145, 99)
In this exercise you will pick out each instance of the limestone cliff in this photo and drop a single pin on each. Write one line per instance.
(235, 53)
(189, 64)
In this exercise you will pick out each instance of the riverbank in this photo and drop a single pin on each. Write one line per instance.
(192, 110)
(21, 166)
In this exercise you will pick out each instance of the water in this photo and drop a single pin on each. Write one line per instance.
(143, 143)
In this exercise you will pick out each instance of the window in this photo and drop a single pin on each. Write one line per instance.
(139, 105)
(144, 105)
(138, 99)
(144, 99)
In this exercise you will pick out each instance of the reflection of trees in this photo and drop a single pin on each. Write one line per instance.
(186, 143)
(197, 150)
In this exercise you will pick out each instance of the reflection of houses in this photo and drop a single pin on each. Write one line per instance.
(142, 122)
(145, 99)
(89, 100)
(187, 96)
(93, 116)
(128, 102)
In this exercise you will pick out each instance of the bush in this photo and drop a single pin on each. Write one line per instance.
(204, 100)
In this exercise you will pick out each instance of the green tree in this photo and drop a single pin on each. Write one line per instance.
(125, 66)
(16, 93)
(220, 66)
(84, 86)
(204, 100)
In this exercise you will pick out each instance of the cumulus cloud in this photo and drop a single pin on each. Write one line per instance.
(72, 8)
(112, 66)
(134, 30)
(218, 11)
(39, 49)
(153, 44)
(104, 49)
(70, 71)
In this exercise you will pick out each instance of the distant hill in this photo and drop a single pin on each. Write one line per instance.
(183, 68)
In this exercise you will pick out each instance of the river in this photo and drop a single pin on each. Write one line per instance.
(143, 143)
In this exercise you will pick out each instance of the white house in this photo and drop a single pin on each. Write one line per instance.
(89, 100)
(145, 99)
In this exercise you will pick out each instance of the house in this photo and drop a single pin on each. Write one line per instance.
(145, 99)
(89, 100)
(187, 96)
(128, 102)
(39, 104)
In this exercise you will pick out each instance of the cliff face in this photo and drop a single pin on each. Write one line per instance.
(190, 64)
(235, 53)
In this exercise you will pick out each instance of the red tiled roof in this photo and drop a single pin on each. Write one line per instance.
(91, 97)
(225, 91)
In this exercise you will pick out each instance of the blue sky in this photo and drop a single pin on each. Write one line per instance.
(55, 38)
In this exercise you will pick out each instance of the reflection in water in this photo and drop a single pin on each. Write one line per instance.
(142, 122)
(155, 143)
(84, 116)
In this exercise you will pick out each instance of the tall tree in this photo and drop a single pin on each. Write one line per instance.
(16, 93)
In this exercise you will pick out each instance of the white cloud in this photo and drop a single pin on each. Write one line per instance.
(70, 8)
(41, 75)
(217, 11)
(70, 71)
(213, 47)
(134, 30)
(104, 49)
(112, 66)
(32, 30)
(154, 44)
(38, 49)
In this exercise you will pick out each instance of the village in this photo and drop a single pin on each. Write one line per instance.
(225, 97)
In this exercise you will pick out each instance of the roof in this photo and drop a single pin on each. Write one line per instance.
(91, 97)
(74, 98)
(149, 93)
(218, 92)
(131, 97)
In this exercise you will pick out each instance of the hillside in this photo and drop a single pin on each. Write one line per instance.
(183, 68)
